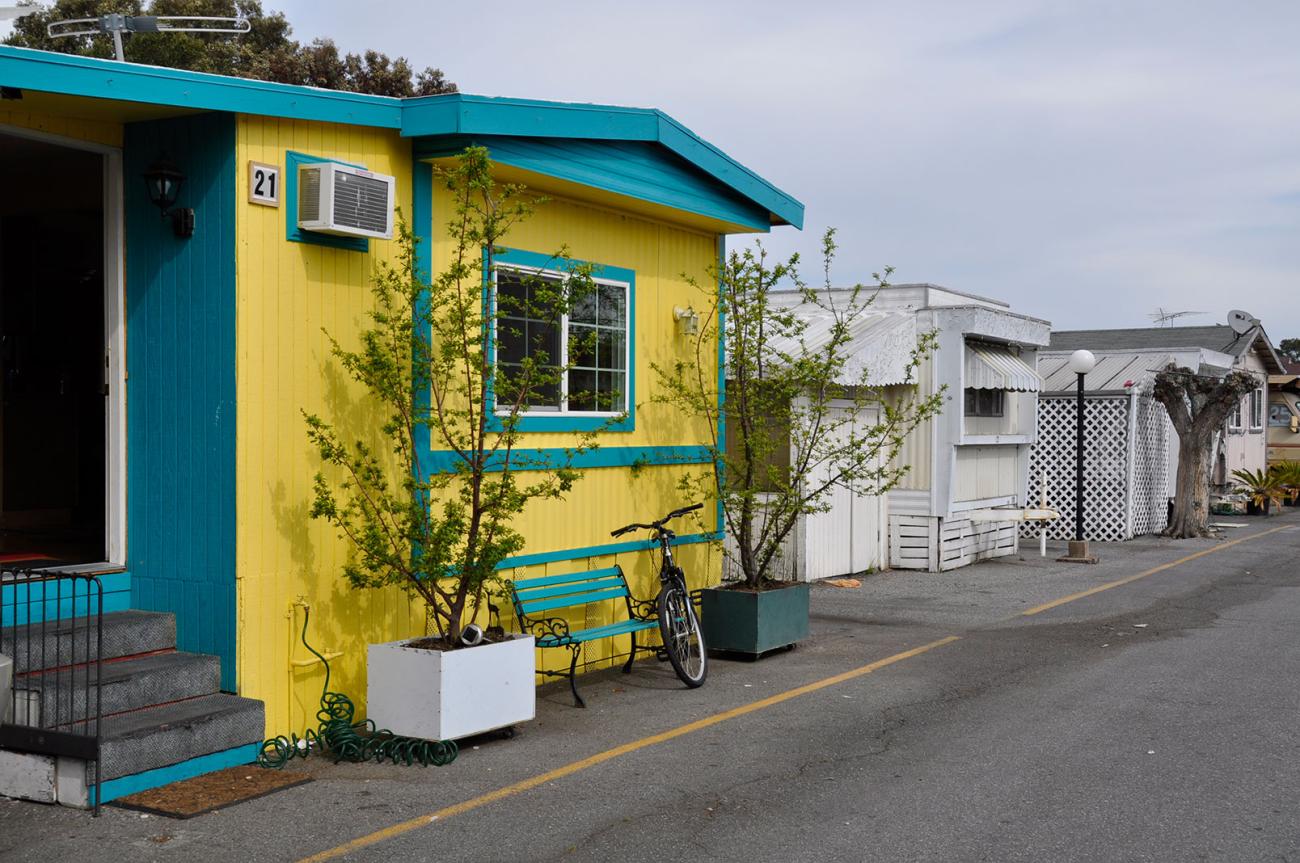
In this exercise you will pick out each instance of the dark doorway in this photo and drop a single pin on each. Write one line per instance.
(52, 350)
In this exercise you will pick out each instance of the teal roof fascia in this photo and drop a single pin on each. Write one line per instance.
(637, 169)
(464, 114)
(423, 116)
(68, 74)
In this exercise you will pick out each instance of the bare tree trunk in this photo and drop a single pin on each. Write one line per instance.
(1192, 497)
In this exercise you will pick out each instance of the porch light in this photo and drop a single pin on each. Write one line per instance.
(164, 181)
(688, 320)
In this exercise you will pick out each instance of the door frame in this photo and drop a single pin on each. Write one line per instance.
(114, 336)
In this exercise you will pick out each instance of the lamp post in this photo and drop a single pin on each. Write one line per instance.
(1081, 362)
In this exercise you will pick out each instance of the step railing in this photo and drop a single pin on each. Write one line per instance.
(52, 628)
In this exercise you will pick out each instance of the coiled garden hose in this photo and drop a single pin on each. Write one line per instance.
(344, 738)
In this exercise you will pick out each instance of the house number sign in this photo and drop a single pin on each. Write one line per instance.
(264, 184)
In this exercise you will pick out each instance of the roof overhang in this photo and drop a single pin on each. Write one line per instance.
(427, 117)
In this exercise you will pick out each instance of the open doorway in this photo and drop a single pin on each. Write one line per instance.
(53, 375)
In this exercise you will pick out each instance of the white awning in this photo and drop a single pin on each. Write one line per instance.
(989, 367)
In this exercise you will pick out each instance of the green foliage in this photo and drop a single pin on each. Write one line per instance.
(797, 410)
(1290, 350)
(266, 53)
(1262, 486)
(424, 360)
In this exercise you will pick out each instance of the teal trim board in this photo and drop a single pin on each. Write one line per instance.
(561, 422)
(421, 117)
(641, 170)
(125, 786)
(49, 72)
(180, 320)
(295, 234)
(464, 114)
(522, 459)
(422, 228)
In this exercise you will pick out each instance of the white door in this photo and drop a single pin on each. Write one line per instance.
(847, 538)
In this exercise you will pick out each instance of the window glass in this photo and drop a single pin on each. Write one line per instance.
(1279, 415)
(1257, 409)
(529, 325)
(984, 403)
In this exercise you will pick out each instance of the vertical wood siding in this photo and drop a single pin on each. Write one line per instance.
(288, 292)
(180, 309)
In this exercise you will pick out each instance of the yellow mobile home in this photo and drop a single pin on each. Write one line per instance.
(156, 368)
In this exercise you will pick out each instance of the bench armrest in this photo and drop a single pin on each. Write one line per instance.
(553, 627)
(642, 609)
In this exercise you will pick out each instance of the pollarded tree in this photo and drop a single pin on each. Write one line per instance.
(1197, 406)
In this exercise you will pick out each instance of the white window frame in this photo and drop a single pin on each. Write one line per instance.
(1235, 418)
(1257, 409)
(562, 276)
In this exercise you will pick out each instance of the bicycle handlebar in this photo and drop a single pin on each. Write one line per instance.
(658, 525)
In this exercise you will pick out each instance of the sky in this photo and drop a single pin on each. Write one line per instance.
(1086, 162)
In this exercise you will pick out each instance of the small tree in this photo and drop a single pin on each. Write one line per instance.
(1197, 406)
(439, 531)
(796, 405)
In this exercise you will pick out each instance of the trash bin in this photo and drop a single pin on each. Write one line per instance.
(6, 679)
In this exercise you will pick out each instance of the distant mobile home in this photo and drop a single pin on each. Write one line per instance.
(156, 367)
(966, 467)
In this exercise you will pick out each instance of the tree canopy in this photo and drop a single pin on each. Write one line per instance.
(1290, 350)
(266, 53)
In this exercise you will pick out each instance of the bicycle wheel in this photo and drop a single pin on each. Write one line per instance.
(683, 639)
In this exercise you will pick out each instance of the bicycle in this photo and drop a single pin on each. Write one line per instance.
(678, 625)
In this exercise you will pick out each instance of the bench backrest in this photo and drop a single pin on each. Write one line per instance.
(534, 595)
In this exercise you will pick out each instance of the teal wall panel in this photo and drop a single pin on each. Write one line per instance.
(180, 350)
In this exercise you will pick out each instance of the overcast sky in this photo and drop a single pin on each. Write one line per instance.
(1084, 161)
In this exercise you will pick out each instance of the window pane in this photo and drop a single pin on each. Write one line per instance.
(582, 390)
(612, 302)
(544, 342)
(511, 293)
(610, 394)
(1279, 415)
(582, 345)
(511, 340)
(584, 308)
(611, 353)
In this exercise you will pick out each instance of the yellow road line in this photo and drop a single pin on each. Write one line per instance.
(609, 754)
(1038, 609)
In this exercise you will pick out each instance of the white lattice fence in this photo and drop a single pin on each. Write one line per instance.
(1105, 467)
(1150, 468)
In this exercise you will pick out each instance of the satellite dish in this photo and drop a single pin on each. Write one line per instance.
(1242, 322)
(8, 13)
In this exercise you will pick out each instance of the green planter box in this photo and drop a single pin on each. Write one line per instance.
(752, 623)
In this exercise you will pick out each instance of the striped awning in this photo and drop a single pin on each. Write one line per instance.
(990, 367)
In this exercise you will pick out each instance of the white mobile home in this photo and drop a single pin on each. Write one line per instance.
(967, 466)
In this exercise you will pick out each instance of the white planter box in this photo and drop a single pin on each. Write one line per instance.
(446, 695)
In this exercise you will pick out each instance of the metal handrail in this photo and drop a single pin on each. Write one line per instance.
(53, 662)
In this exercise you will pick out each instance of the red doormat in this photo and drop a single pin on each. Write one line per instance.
(212, 791)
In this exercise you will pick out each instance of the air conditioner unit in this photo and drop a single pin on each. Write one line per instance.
(344, 201)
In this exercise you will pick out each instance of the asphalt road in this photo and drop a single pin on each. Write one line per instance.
(1155, 720)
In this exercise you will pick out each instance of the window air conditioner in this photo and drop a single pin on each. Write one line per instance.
(344, 201)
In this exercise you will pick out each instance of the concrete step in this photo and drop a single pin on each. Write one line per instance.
(172, 733)
(57, 698)
(51, 645)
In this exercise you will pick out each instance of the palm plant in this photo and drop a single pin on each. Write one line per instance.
(1262, 486)
(1288, 477)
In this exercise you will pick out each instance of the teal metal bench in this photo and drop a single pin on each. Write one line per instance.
(533, 597)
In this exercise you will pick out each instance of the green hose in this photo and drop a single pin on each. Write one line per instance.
(340, 735)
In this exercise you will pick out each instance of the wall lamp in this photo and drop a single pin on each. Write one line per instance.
(688, 320)
(164, 180)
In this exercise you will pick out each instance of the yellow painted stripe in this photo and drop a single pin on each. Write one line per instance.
(610, 754)
(1046, 606)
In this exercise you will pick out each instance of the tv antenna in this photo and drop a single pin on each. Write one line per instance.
(1165, 318)
(118, 24)
(9, 13)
